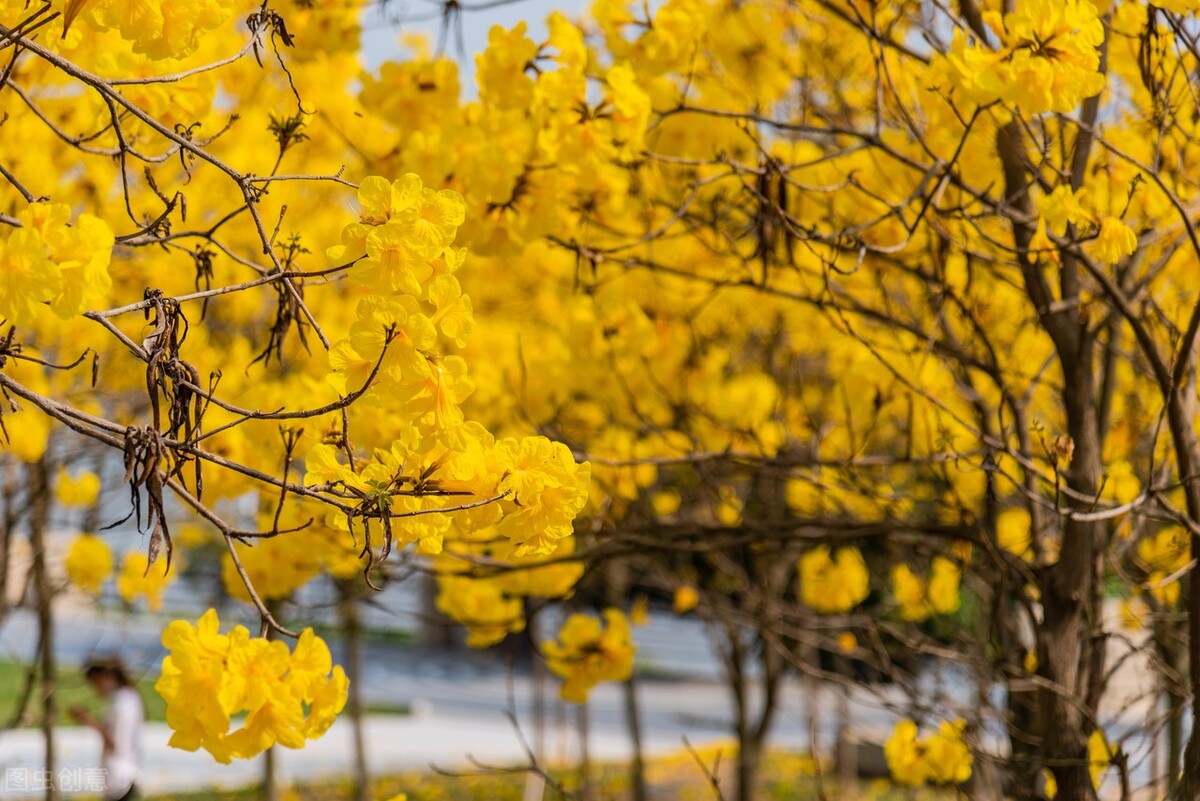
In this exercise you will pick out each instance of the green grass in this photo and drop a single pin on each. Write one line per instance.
(71, 689)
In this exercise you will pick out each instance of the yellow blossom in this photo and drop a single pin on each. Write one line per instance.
(920, 599)
(586, 653)
(1014, 534)
(1115, 241)
(1063, 207)
(79, 490)
(207, 678)
(139, 579)
(686, 599)
(89, 563)
(833, 583)
(904, 755)
(1047, 61)
(941, 758)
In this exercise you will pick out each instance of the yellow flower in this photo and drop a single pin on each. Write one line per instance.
(686, 599)
(27, 277)
(89, 563)
(1134, 613)
(80, 490)
(918, 599)
(1041, 247)
(948, 756)
(1014, 534)
(1179, 6)
(904, 755)
(1049, 784)
(833, 584)
(910, 590)
(639, 614)
(547, 490)
(1048, 59)
(1164, 556)
(482, 606)
(161, 28)
(1099, 757)
(944, 579)
(586, 654)
(1115, 241)
(942, 758)
(208, 677)
(500, 69)
(1061, 208)
(139, 579)
(665, 503)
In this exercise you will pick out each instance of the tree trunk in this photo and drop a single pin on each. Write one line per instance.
(585, 759)
(354, 705)
(637, 771)
(270, 775)
(1066, 649)
(39, 489)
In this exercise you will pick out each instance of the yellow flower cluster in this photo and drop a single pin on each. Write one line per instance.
(277, 566)
(588, 653)
(1115, 240)
(488, 612)
(686, 599)
(1047, 61)
(139, 579)
(208, 677)
(49, 261)
(89, 563)
(161, 29)
(833, 583)
(1164, 557)
(1014, 532)
(491, 607)
(79, 490)
(543, 487)
(940, 758)
(920, 599)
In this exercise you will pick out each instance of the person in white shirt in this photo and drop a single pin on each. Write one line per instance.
(121, 728)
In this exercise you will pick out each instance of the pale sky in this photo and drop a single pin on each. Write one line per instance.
(381, 38)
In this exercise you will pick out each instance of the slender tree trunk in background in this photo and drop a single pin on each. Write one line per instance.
(846, 752)
(1166, 637)
(437, 630)
(748, 737)
(39, 488)
(633, 719)
(585, 759)
(1175, 708)
(7, 535)
(617, 576)
(270, 775)
(537, 675)
(1065, 649)
(1181, 411)
(352, 623)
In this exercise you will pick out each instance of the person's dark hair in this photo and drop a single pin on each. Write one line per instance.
(111, 665)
